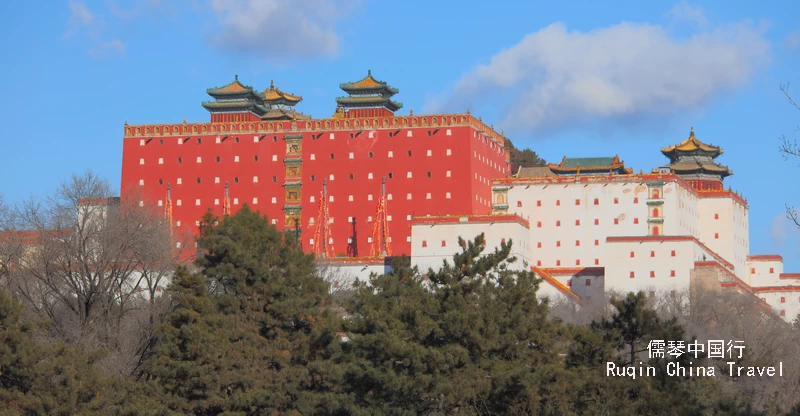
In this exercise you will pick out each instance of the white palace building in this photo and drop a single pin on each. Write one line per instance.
(587, 225)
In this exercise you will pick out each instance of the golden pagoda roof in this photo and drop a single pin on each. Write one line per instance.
(275, 94)
(692, 144)
(369, 83)
(232, 88)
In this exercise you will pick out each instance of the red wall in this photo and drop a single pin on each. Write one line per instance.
(464, 143)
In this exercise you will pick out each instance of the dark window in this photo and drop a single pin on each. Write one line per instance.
(352, 136)
(391, 134)
(429, 132)
(390, 175)
(161, 141)
(351, 176)
(275, 139)
(370, 155)
(219, 159)
(274, 179)
(429, 174)
(160, 181)
(237, 140)
(312, 178)
(255, 158)
(180, 160)
(409, 153)
(198, 180)
(199, 140)
(331, 155)
(236, 179)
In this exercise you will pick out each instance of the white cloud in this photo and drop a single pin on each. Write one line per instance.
(779, 230)
(80, 18)
(106, 48)
(555, 78)
(793, 40)
(83, 20)
(279, 29)
(687, 12)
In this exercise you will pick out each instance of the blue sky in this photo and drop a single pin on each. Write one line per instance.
(580, 78)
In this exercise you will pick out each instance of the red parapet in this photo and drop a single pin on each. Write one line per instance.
(765, 257)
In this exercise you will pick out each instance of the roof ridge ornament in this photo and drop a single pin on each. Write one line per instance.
(272, 84)
(691, 132)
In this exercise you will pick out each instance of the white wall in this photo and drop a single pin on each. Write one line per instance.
(554, 230)
(723, 228)
(767, 273)
(649, 256)
(432, 236)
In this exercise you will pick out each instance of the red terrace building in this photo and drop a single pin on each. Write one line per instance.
(258, 150)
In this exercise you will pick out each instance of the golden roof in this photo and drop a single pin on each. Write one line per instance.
(274, 94)
(367, 82)
(692, 144)
(234, 86)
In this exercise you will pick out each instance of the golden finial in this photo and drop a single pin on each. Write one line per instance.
(691, 132)
(271, 84)
(641, 171)
(480, 118)
(126, 122)
(184, 120)
(411, 112)
(236, 77)
(467, 110)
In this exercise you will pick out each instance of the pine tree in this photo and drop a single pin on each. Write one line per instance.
(277, 330)
(188, 361)
(46, 379)
(471, 339)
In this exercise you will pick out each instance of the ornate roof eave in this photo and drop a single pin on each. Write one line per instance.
(366, 101)
(273, 94)
(557, 168)
(232, 106)
(368, 83)
(232, 88)
(720, 170)
(280, 114)
(691, 144)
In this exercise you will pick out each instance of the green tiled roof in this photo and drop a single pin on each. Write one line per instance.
(380, 100)
(574, 162)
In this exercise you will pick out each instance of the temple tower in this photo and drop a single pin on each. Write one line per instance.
(367, 97)
(234, 102)
(693, 161)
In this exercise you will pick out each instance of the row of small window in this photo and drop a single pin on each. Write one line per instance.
(350, 240)
(578, 202)
(486, 160)
(200, 180)
(199, 159)
(312, 156)
(578, 222)
(390, 153)
(389, 197)
(653, 274)
(390, 175)
(409, 175)
(753, 270)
